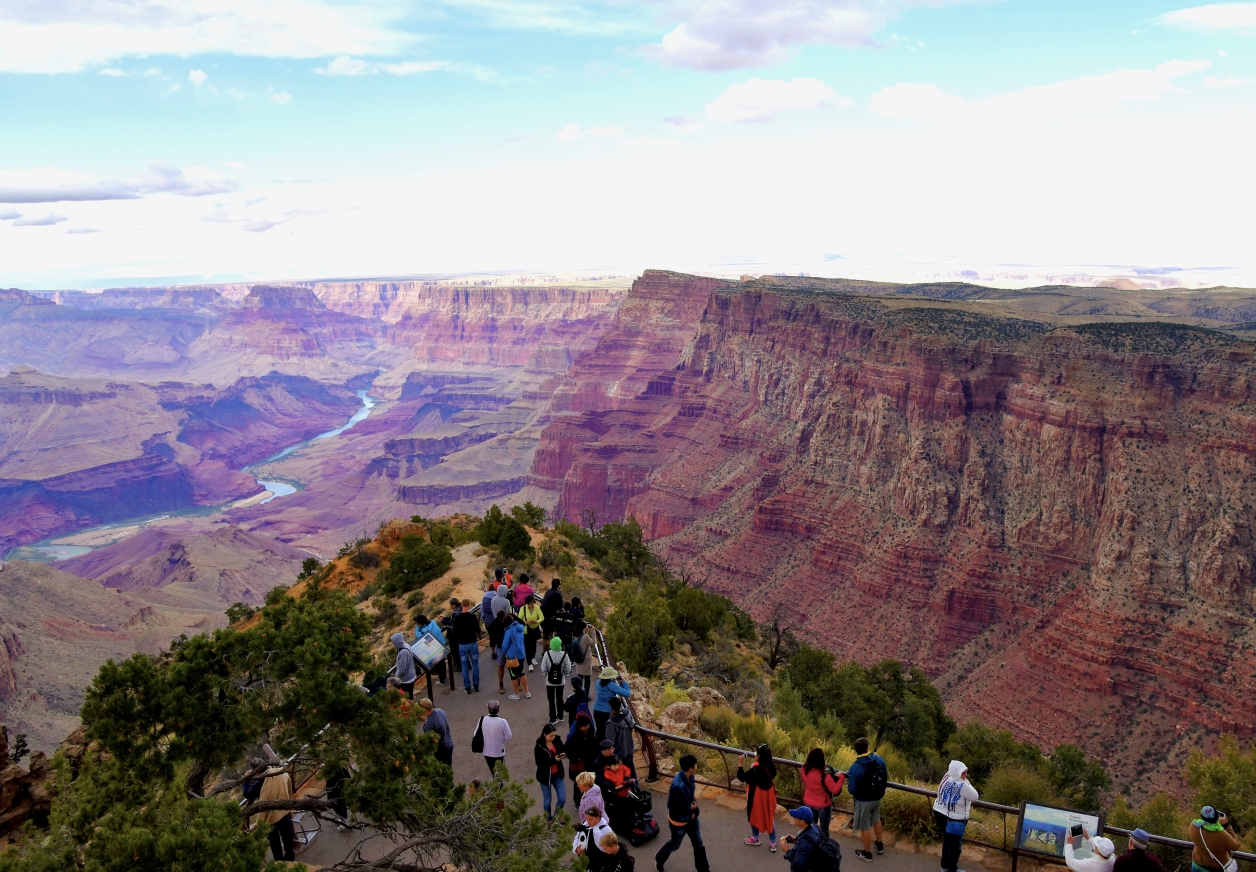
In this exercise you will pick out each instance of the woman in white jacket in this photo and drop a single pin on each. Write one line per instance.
(951, 810)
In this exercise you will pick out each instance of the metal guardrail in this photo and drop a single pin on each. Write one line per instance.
(653, 775)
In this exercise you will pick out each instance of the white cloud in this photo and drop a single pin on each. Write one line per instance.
(55, 185)
(153, 71)
(236, 165)
(1088, 95)
(1228, 82)
(731, 34)
(197, 78)
(764, 99)
(347, 66)
(283, 98)
(111, 71)
(9, 214)
(682, 122)
(42, 221)
(74, 231)
(1214, 16)
(573, 131)
(258, 224)
(65, 36)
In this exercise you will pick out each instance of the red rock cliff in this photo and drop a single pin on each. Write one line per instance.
(1056, 523)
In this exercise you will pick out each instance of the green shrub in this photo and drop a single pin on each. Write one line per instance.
(366, 593)
(910, 815)
(717, 722)
(530, 515)
(751, 731)
(415, 564)
(671, 693)
(1012, 782)
(642, 632)
(515, 541)
(555, 556)
(237, 612)
(363, 559)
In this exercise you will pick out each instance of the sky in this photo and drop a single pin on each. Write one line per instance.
(178, 141)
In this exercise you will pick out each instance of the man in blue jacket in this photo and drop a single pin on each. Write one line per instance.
(682, 816)
(799, 856)
(867, 778)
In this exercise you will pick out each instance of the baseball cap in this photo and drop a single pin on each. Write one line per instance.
(1141, 837)
(1103, 846)
(802, 813)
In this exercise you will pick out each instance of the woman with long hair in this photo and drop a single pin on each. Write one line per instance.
(819, 787)
(548, 755)
(760, 781)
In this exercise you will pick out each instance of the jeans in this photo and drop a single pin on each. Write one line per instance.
(470, 656)
(951, 845)
(695, 839)
(559, 792)
(281, 838)
(823, 817)
(555, 696)
(754, 831)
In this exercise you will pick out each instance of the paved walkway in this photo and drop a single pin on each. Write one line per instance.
(722, 828)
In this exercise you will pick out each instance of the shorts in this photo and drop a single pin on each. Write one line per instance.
(867, 814)
(516, 672)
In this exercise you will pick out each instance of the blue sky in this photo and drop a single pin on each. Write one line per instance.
(150, 139)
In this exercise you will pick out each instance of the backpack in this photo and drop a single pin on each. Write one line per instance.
(826, 856)
(477, 741)
(575, 652)
(555, 674)
(877, 776)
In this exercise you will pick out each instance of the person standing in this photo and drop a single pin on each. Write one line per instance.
(806, 842)
(549, 755)
(818, 789)
(551, 605)
(496, 634)
(587, 790)
(608, 684)
(682, 816)
(1213, 839)
(1138, 858)
(486, 602)
(555, 666)
(576, 699)
(1103, 857)
(531, 615)
(867, 776)
(760, 781)
(619, 729)
(583, 656)
(281, 836)
(617, 858)
(951, 811)
(501, 602)
(436, 721)
(520, 592)
(496, 733)
(455, 608)
(595, 827)
(465, 633)
(582, 750)
(512, 647)
(406, 674)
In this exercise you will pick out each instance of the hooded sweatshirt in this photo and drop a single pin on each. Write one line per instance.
(486, 605)
(502, 602)
(512, 642)
(405, 659)
(955, 795)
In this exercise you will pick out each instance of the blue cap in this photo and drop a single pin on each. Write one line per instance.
(802, 813)
(1141, 837)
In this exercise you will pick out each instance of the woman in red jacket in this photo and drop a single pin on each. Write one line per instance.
(819, 787)
(760, 781)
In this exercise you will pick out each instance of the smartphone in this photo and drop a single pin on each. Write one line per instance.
(1077, 831)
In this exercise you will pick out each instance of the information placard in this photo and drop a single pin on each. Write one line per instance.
(429, 651)
(1044, 829)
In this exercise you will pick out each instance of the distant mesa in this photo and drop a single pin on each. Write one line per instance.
(268, 297)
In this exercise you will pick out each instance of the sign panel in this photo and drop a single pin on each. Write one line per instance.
(429, 651)
(1044, 829)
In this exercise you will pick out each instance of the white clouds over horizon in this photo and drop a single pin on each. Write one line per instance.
(51, 185)
(1240, 17)
(64, 36)
(1083, 96)
(764, 100)
(348, 66)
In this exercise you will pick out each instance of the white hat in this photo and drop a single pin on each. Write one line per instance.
(1103, 846)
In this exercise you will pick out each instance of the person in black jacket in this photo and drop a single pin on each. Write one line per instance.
(682, 816)
(549, 754)
(582, 748)
(464, 638)
(496, 633)
(551, 604)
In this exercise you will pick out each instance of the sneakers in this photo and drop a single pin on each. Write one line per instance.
(772, 847)
(477, 688)
(864, 855)
(658, 864)
(516, 696)
(501, 688)
(531, 667)
(468, 691)
(528, 694)
(752, 841)
(880, 846)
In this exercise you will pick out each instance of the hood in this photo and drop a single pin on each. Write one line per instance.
(398, 640)
(956, 770)
(502, 590)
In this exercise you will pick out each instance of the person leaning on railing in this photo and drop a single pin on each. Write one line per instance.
(1214, 842)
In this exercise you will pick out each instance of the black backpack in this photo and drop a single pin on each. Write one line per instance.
(575, 652)
(827, 856)
(877, 776)
(555, 674)
(477, 741)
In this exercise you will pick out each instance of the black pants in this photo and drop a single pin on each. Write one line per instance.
(530, 638)
(599, 724)
(492, 764)
(695, 839)
(951, 845)
(556, 700)
(445, 754)
(408, 688)
(281, 839)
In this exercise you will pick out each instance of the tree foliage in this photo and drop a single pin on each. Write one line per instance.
(414, 564)
(530, 515)
(1226, 781)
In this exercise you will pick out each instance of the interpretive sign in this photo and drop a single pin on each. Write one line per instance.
(429, 651)
(1044, 829)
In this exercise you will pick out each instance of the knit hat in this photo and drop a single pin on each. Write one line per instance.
(1102, 846)
(556, 644)
(1141, 838)
(802, 813)
(1209, 814)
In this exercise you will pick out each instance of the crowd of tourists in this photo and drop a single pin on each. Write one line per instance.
(596, 751)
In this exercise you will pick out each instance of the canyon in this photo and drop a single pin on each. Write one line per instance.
(1044, 496)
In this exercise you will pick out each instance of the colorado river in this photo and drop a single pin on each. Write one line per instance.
(67, 545)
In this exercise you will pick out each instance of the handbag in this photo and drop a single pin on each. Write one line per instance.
(512, 662)
(477, 741)
(956, 828)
